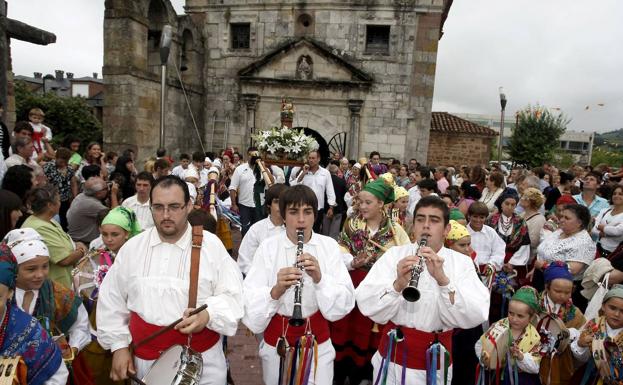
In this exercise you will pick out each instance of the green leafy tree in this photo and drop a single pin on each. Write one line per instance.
(66, 116)
(536, 136)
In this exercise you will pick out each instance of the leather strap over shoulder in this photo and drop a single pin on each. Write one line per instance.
(195, 255)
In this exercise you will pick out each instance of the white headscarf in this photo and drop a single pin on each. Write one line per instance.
(26, 244)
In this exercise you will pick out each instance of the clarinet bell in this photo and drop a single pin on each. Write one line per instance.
(411, 293)
(297, 317)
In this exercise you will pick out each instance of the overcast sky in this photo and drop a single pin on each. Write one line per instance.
(559, 53)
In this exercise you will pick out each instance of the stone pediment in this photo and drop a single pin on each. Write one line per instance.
(304, 61)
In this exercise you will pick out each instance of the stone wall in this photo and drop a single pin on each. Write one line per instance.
(395, 117)
(458, 149)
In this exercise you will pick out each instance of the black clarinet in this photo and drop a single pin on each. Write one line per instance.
(411, 292)
(297, 313)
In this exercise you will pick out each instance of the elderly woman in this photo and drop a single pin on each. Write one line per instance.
(531, 200)
(45, 203)
(364, 239)
(609, 224)
(23, 336)
(494, 185)
(572, 244)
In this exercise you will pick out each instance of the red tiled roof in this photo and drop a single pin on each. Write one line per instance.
(444, 122)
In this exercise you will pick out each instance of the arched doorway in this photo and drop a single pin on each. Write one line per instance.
(323, 147)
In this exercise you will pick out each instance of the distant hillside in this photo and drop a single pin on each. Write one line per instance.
(612, 138)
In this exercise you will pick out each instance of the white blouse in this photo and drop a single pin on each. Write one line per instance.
(577, 248)
(613, 229)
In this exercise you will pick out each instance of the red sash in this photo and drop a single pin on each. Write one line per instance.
(318, 325)
(139, 329)
(416, 342)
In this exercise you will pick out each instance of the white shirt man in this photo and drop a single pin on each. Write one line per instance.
(315, 177)
(327, 295)
(148, 286)
(452, 296)
(262, 230)
(139, 203)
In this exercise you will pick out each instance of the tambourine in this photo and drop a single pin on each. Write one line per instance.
(555, 337)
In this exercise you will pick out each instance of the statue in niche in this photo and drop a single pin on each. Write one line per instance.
(304, 68)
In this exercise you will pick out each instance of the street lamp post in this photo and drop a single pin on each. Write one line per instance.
(165, 46)
(503, 105)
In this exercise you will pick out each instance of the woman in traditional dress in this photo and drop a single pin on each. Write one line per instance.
(512, 229)
(557, 367)
(117, 227)
(364, 239)
(21, 335)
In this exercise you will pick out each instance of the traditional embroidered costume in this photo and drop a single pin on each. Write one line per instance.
(22, 335)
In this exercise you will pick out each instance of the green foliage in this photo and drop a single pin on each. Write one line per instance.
(536, 136)
(562, 159)
(67, 116)
(611, 158)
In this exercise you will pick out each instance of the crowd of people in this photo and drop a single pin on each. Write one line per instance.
(366, 271)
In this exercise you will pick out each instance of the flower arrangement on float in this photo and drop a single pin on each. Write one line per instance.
(284, 142)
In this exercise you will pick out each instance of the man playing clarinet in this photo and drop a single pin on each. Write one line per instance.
(450, 295)
(306, 268)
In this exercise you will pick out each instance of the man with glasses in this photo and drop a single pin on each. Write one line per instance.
(147, 288)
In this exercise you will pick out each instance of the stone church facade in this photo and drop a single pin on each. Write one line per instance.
(359, 72)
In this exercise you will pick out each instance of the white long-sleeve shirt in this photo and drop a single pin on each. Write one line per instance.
(489, 247)
(79, 334)
(377, 299)
(527, 365)
(151, 278)
(319, 181)
(257, 233)
(333, 296)
(142, 211)
(613, 229)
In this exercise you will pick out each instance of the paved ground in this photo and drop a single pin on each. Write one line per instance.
(244, 363)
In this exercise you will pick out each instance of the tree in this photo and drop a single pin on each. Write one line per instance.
(611, 158)
(66, 116)
(536, 136)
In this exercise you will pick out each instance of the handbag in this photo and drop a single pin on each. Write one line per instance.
(592, 310)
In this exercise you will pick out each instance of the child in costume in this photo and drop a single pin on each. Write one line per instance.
(601, 342)
(524, 342)
(557, 367)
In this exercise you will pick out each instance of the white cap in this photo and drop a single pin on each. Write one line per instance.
(26, 244)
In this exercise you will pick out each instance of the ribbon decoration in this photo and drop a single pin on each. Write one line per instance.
(395, 336)
(437, 354)
(295, 367)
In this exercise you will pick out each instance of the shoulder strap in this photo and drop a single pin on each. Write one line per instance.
(194, 265)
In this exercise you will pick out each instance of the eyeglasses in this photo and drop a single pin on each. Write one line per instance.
(172, 209)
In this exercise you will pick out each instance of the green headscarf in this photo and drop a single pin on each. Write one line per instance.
(615, 292)
(527, 295)
(380, 189)
(124, 218)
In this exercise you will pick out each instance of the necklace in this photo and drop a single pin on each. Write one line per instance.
(4, 324)
(506, 225)
(488, 196)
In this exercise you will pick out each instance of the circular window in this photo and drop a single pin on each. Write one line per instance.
(305, 20)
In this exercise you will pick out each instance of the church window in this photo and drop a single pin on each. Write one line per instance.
(377, 39)
(240, 35)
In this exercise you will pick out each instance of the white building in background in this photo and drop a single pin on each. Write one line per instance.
(577, 143)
